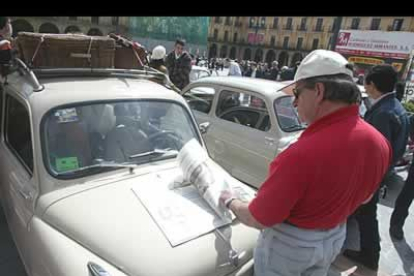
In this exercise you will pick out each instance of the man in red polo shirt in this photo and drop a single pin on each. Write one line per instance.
(315, 184)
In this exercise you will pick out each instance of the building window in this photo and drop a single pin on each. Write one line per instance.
(299, 44)
(315, 43)
(319, 23)
(289, 24)
(355, 23)
(275, 22)
(263, 22)
(397, 24)
(217, 19)
(252, 22)
(375, 23)
(303, 24)
(237, 23)
(95, 19)
(226, 36)
(228, 20)
(115, 20)
(215, 35)
(335, 22)
(286, 42)
(272, 41)
(235, 38)
(73, 18)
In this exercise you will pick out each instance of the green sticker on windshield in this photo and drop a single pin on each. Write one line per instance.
(67, 164)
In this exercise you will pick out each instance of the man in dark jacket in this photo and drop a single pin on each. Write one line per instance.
(389, 117)
(404, 199)
(178, 63)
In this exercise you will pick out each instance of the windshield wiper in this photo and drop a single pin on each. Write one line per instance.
(100, 166)
(294, 127)
(156, 152)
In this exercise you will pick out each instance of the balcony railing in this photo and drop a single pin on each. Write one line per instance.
(287, 27)
(318, 29)
(302, 28)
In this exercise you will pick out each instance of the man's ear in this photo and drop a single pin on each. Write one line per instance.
(320, 91)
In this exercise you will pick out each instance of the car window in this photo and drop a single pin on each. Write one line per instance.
(80, 137)
(200, 98)
(244, 109)
(287, 115)
(243, 117)
(203, 74)
(18, 135)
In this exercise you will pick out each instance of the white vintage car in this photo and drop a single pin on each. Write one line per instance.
(87, 159)
(246, 122)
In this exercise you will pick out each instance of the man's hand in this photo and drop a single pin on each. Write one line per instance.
(240, 209)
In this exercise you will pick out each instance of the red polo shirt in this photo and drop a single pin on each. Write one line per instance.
(316, 183)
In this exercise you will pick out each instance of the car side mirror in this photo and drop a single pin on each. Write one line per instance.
(204, 127)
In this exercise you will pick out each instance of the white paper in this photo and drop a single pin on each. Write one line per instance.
(181, 214)
(198, 171)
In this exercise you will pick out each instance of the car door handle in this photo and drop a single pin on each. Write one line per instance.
(204, 127)
(25, 195)
(269, 140)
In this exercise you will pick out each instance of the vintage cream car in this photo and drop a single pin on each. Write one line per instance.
(87, 157)
(246, 122)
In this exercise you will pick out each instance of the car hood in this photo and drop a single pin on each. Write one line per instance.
(111, 221)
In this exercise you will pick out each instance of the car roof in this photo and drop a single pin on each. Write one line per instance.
(62, 90)
(199, 68)
(266, 87)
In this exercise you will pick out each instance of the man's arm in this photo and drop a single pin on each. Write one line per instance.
(240, 209)
(242, 212)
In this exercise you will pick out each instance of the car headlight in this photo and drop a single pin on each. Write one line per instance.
(97, 270)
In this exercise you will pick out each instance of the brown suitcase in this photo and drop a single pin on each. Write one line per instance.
(129, 54)
(66, 50)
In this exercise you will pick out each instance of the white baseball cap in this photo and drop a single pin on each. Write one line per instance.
(158, 52)
(322, 63)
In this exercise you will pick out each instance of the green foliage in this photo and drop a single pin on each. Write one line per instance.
(409, 106)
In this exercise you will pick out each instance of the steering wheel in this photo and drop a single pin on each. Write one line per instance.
(171, 137)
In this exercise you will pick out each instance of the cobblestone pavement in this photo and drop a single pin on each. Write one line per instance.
(397, 258)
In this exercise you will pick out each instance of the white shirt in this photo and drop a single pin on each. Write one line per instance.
(234, 69)
(254, 73)
(378, 99)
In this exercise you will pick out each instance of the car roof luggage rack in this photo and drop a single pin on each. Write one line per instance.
(59, 55)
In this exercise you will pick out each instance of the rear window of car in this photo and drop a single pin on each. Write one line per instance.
(287, 115)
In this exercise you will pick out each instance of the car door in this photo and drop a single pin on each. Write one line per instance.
(242, 135)
(16, 170)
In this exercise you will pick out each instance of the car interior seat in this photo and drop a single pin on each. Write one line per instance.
(125, 139)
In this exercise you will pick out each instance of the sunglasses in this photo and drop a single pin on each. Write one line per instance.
(297, 91)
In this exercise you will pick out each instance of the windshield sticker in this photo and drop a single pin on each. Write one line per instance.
(67, 115)
(67, 164)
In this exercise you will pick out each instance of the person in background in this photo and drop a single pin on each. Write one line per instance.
(178, 63)
(5, 44)
(274, 71)
(157, 59)
(234, 68)
(389, 117)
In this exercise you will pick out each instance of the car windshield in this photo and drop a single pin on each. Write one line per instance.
(82, 140)
(287, 115)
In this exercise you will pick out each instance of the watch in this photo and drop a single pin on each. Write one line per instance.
(228, 201)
